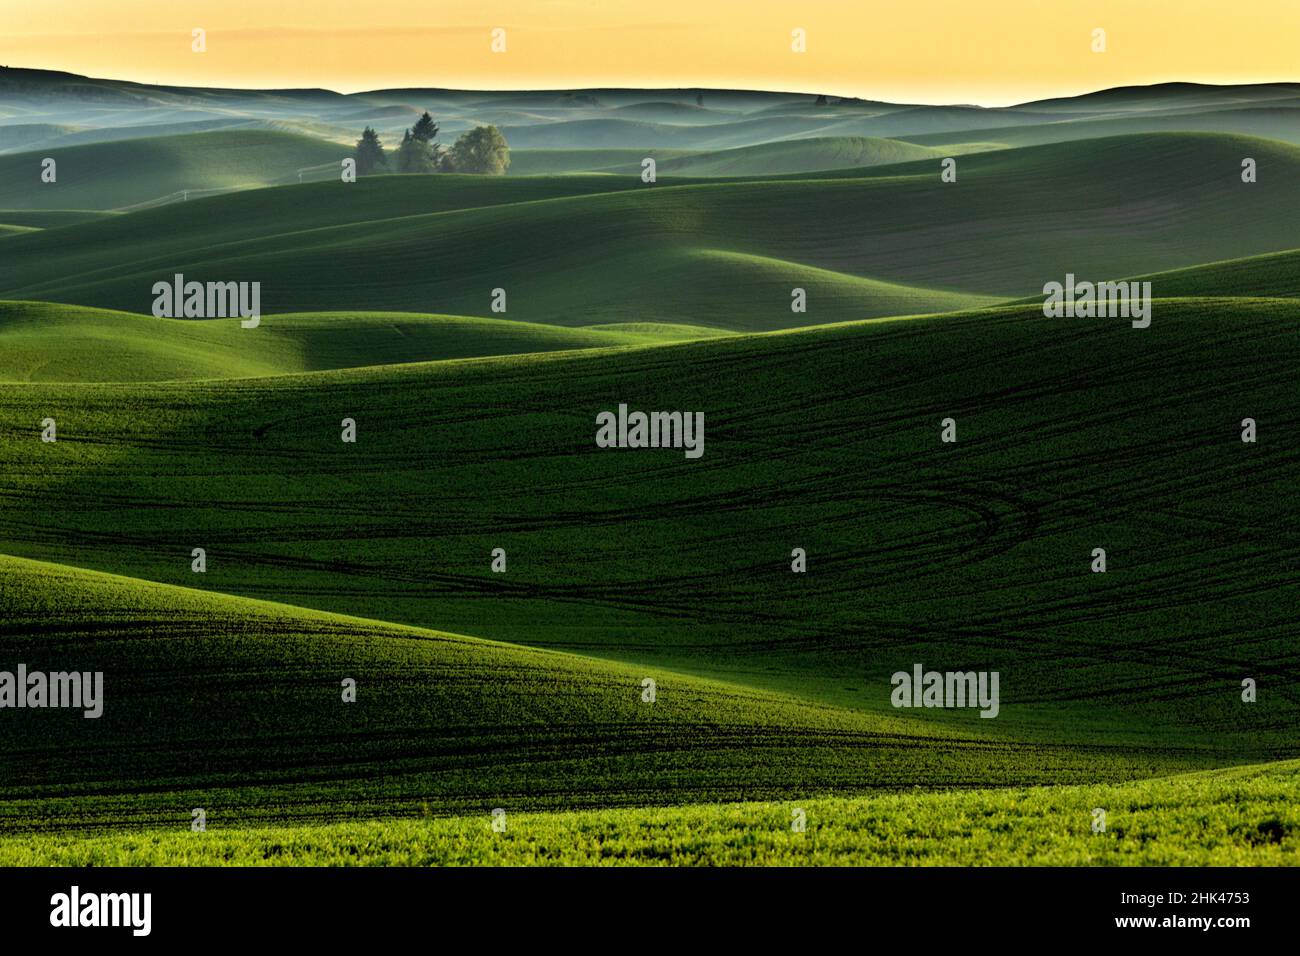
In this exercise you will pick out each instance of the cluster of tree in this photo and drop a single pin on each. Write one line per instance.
(481, 150)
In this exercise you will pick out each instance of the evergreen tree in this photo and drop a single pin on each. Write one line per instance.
(370, 153)
(413, 155)
(426, 131)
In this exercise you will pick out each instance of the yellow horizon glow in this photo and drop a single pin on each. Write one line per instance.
(995, 52)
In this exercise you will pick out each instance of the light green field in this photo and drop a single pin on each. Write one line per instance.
(46, 342)
(1241, 817)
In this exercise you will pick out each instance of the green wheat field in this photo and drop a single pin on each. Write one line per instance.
(771, 739)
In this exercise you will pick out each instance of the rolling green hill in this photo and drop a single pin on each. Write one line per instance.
(261, 214)
(47, 138)
(667, 111)
(51, 218)
(1271, 275)
(18, 136)
(1166, 96)
(1274, 274)
(788, 156)
(1014, 220)
(521, 687)
(1073, 434)
(236, 705)
(45, 342)
(1273, 122)
(798, 156)
(48, 110)
(117, 174)
(708, 285)
(551, 162)
(610, 130)
(1181, 204)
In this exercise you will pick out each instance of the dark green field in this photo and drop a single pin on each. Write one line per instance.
(475, 431)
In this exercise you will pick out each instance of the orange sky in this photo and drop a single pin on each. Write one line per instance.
(968, 51)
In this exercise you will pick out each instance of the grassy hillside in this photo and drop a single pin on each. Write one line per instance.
(264, 214)
(1240, 817)
(44, 342)
(1275, 274)
(1014, 220)
(1073, 435)
(117, 174)
(236, 705)
(711, 285)
(51, 218)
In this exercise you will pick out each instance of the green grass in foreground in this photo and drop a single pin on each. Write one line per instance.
(234, 705)
(1242, 816)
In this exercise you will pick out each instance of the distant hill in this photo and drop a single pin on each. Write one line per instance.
(1280, 122)
(592, 250)
(798, 156)
(16, 139)
(622, 162)
(118, 174)
(50, 109)
(1166, 95)
(786, 156)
